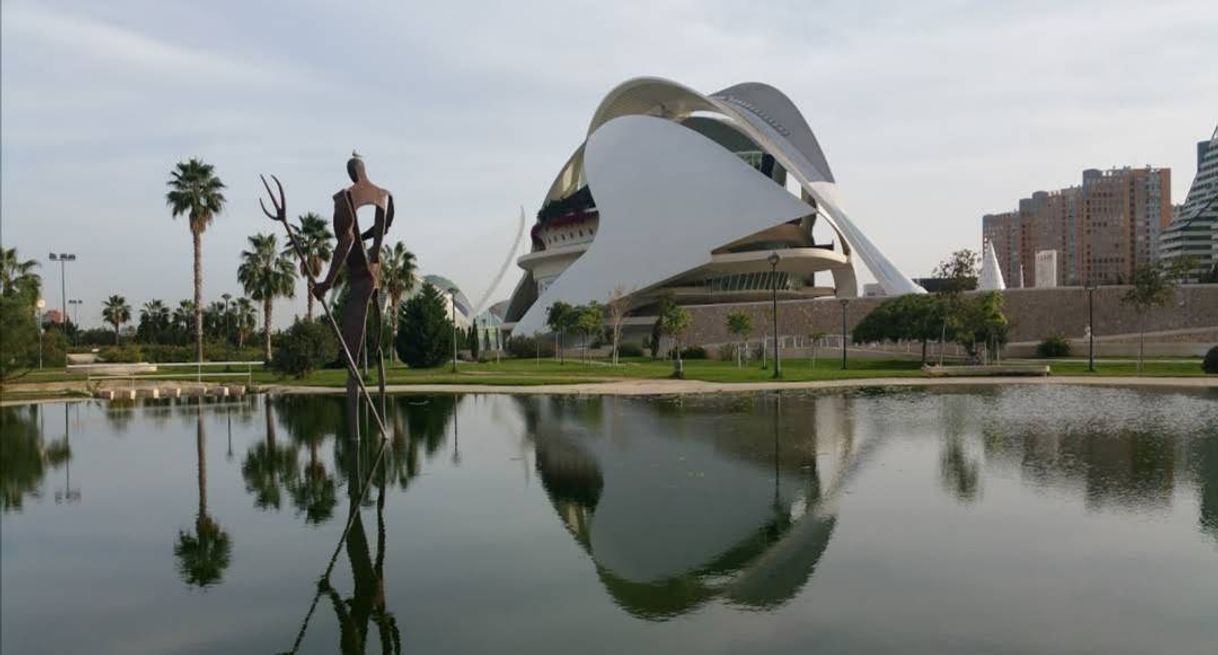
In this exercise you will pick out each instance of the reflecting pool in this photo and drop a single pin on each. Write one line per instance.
(968, 520)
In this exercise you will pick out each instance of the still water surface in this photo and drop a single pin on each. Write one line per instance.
(976, 520)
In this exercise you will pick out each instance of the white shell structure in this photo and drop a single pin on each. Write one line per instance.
(675, 191)
(991, 274)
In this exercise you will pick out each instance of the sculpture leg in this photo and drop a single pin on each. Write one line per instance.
(355, 314)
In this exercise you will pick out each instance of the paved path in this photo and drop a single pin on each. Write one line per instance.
(634, 387)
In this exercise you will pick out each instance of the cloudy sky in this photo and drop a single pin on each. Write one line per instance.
(931, 113)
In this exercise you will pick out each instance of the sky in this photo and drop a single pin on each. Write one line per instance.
(931, 114)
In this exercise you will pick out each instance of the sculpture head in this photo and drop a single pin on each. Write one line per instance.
(355, 168)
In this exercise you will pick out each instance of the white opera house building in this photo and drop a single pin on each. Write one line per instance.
(673, 191)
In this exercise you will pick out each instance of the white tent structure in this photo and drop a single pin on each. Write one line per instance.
(991, 274)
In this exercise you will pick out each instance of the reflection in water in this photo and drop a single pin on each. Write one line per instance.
(25, 455)
(683, 505)
(203, 556)
(717, 510)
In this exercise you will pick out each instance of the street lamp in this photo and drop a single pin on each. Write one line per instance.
(1091, 328)
(452, 299)
(75, 303)
(39, 306)
(63, 258)
(844, 302)
(773, 260)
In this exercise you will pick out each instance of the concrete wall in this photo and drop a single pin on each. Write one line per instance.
(1034, 314)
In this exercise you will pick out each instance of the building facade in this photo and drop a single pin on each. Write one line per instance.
(1101, 231)
(1193, 231)
(707, 199)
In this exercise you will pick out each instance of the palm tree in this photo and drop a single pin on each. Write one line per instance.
(202, 556)
(245, 317)
(266, 274)
(195, 190)
(154, 321)
(17, 277)
(268, 466)
(116, 312)
(213, 319)
(397, 277)
(313, 236)
(183, 319)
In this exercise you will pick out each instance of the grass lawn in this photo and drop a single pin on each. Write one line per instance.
(529, 372)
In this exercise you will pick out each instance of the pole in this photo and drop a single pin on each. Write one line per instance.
(844, 301)
(1090, 329)
(774, 311)
(63, 291)
(452, 298)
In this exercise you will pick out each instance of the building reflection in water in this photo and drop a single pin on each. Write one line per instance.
(679, 503)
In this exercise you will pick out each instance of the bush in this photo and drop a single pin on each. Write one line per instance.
(629, 350)
(526, 347)
(1054, 346)
(1210, 363)
(424, 337)
(121, 354)
(693, 352)
(303, 348)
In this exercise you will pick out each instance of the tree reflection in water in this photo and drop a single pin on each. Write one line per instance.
(25, 455)
(203, 556)
(269, 466)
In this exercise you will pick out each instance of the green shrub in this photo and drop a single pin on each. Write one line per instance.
(1054, 346)
(527, 347)
(1210, 363)
(693, 352)
(121, 354)
(425, 335)
(629, 350)
(303, 348)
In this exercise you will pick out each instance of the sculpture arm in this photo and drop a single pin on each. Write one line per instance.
(378, 229)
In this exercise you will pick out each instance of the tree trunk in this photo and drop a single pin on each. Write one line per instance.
(197, 240)
(116, 334)
(201, 453)
(924, 351)
(309, 299)
(266, 328)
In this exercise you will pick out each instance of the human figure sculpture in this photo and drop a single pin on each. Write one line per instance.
(362, 265)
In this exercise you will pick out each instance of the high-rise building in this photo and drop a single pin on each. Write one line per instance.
(1101, 231)
(1193, 231)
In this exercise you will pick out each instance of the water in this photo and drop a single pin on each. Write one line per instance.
(1028, 519)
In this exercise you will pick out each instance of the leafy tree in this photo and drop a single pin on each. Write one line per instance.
(266, 274)
(194, 190)
(589, 320)
(315, 241)
(664, 304)
(17, 277)
(397, 276)
(980, 320)
(116, 311)
(673, 323)
(560, 317)
(304, 348)
(1153, 286)
(911, 317)
(473, 342)
(1210, 363)
(958, 273)
(424, 338)
(740, 324)
(18, 336)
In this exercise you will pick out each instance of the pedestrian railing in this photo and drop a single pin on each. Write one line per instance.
(152, 371)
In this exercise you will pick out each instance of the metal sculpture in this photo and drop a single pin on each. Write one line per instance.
(361, 267)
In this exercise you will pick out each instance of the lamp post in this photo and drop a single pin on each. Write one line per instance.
(773, 260)
(38, 307)
(844, 302)
(75, 303)
(1091, 328)
(452, 299)
(63, 258)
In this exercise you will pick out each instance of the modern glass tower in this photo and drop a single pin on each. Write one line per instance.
(1194, 228)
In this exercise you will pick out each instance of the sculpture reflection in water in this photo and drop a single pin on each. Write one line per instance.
(367, 466)
(202, 556)
(690, 503)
